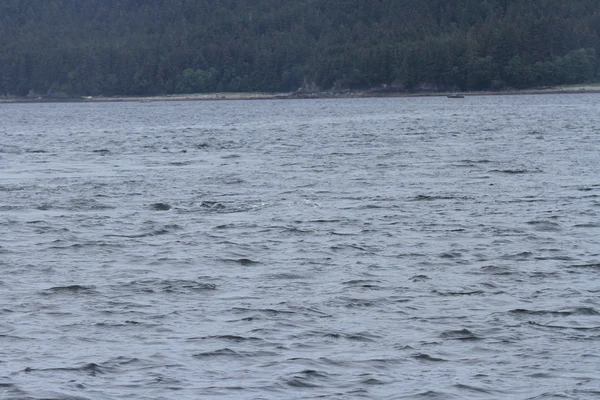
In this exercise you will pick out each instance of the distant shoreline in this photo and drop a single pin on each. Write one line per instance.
(297, 95)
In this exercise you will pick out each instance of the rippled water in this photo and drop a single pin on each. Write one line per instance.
(378, 248)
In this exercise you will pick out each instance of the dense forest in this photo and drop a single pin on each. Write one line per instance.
(145, 47)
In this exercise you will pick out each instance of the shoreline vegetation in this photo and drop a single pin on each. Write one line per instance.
(331, 94)
(62, 49)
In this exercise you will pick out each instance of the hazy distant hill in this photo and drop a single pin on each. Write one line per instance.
(140, 47)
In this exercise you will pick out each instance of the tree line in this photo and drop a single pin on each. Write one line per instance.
(148, 47)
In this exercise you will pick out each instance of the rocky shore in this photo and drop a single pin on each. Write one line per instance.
(296, 95)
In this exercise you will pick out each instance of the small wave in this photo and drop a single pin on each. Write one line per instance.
(587, 393)
(470, 388)
(227, 352)
(590, 265)
(369, 284)
(429, 394)
(10, 391)
(46, 395)
(459, 293)
(347, 246)
(44, 207)
(420, 278)
(16, 188)
(337, 233)
(482, 161)
(170, 286)
(234, 181)
(308, 378)
(228, 338)
(11, 208)
(355, 337)
(226, 226)
(76, 205)
(375, 207)
(462, 334)
(589, 311)
(373, 381)
(556, 258)
(101, 151)
(515, 171)
(91, 369)
(351, 302)
(10, 150)
(221, 208)
(541, 375)
(565, 327)
(88, 205)
(157, 232)
(522, 256)
(313, 373)
(301, 383)
(325, 221)
(231, 156)
(427, 357)
(160, 206)
(284, 276)
(296, 230)
(126, 323)
(241, 261)
(424, 197)
(67, 246)
(181, 163)
(268, 311)
(545, 226)
(71, 289)
(450, 255)
(588, 225)
(213, 205)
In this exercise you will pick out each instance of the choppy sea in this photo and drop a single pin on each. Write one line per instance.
(397, 248)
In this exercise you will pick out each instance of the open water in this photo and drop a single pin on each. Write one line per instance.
(402, 248)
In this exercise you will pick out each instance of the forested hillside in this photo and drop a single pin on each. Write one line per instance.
(145, 47)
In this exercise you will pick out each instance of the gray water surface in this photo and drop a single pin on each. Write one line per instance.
(425, 248)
